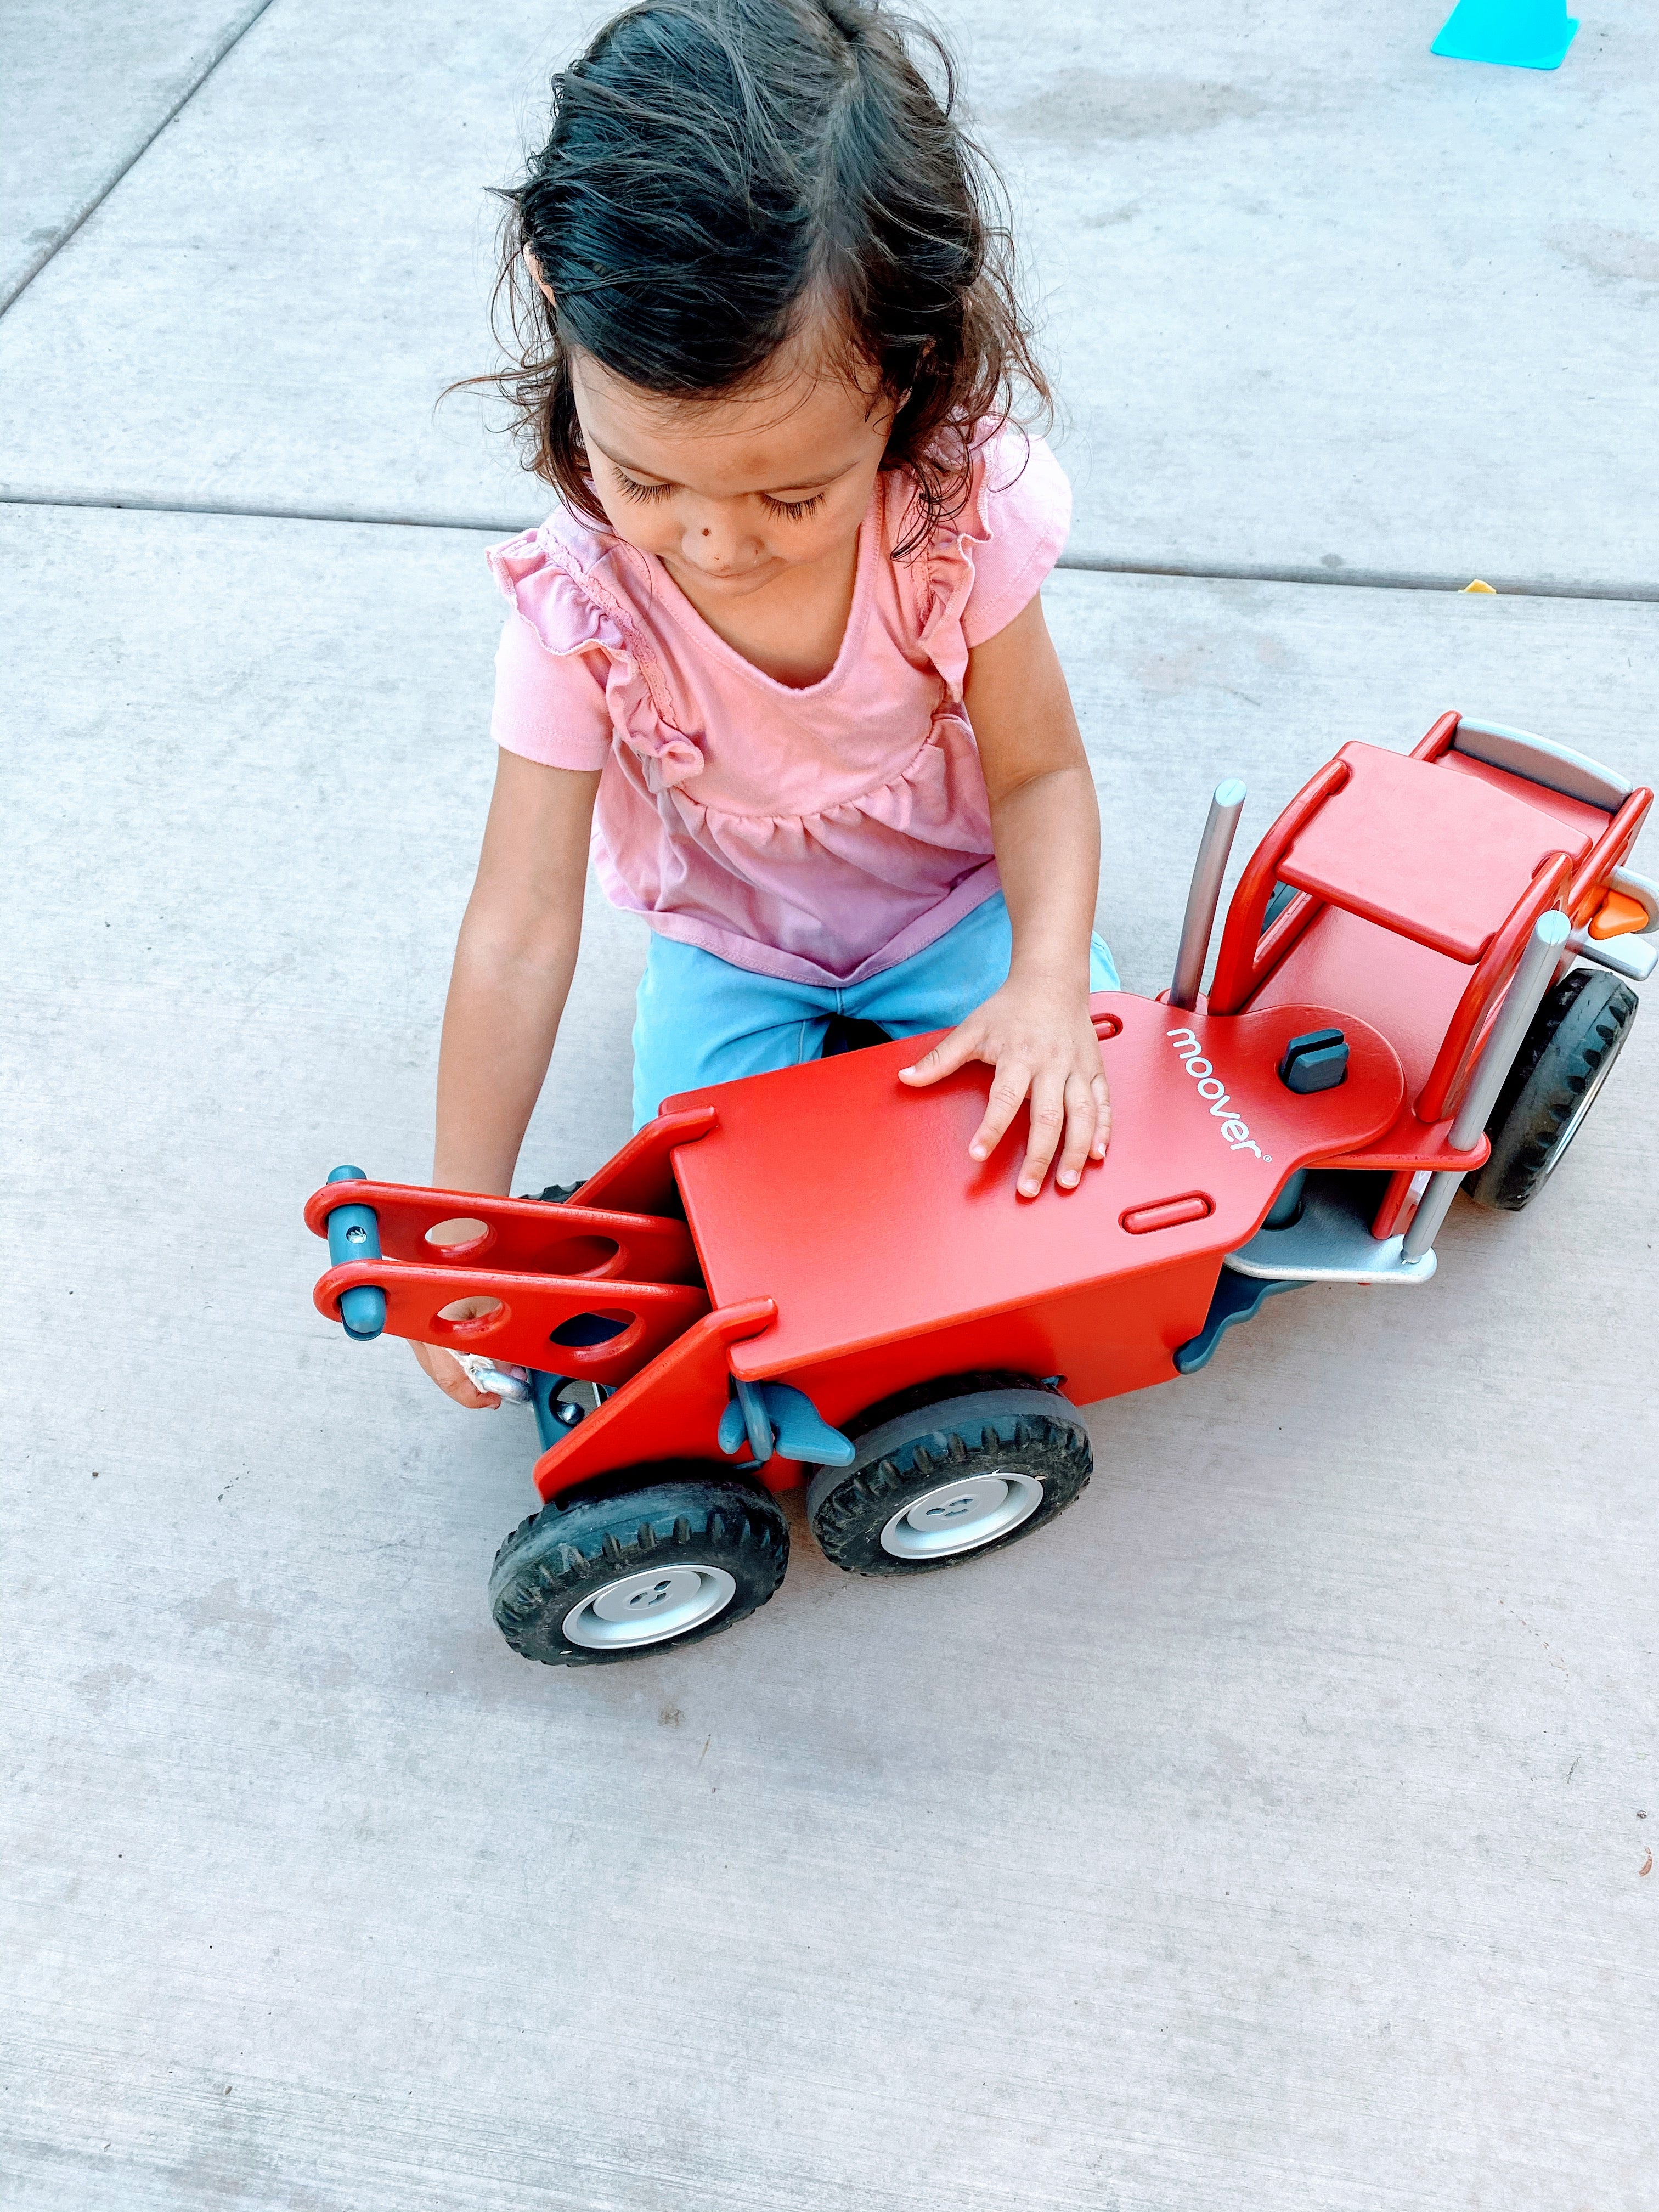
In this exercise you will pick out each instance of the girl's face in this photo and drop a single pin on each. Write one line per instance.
(735, 491)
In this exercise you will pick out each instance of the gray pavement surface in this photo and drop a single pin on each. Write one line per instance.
(1270, 1835)
(82, 95)
(1315, 299)
(1266, 1836)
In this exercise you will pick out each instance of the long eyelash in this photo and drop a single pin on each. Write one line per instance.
(794, 508)
(644, 492)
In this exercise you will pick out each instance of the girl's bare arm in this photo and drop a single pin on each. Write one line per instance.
(1045, 823)
(513, 963)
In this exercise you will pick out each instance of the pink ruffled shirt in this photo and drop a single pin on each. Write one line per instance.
(819, 835)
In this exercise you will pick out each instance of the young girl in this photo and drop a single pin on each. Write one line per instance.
(778, 659)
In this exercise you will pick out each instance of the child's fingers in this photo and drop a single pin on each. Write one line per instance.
(1047, 1126)
(950, 1053)
(1008, 1089)
(463, 1394)
(451, 1377)
(1082, 1114)
(1103, 1135)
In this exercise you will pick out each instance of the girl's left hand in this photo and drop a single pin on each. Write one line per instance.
(1040, 1040)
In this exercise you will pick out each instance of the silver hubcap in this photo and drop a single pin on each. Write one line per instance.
(961, 1516)
(649, 1607)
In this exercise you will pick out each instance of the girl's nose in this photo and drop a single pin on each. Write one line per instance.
(718, 541)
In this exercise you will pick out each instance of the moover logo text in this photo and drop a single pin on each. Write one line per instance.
(1213, 1091)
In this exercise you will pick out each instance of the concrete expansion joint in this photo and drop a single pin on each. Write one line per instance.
(89, 206)
(1103, 564)
(1374, 580)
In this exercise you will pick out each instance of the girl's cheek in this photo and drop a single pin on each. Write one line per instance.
(839, 527)
(637, 526)
(835, 523)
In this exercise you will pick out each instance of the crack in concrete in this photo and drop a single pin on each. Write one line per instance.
(1376, 579)
(1225, 572)
(95, 198)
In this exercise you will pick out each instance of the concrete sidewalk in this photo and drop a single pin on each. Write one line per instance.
(1316, 301)
(1271, 1836)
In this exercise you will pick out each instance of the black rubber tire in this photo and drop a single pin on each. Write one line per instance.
(676, 1515)
(1575, 1037)
(938, 1433)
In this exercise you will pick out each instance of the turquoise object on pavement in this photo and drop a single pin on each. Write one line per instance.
(1518, 33)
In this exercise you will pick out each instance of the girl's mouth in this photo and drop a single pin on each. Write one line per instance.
(726, 578)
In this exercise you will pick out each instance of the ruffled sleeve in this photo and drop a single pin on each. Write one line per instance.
(985, 565)
(1027, 507)
(569, 677)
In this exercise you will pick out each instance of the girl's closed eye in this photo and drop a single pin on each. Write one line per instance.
(794, 509)
(630, 490)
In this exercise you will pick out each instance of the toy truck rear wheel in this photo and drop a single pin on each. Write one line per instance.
(1567, 1055)
(676, 1559)
(954, 1468)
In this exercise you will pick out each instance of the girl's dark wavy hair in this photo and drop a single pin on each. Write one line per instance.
(716, 170)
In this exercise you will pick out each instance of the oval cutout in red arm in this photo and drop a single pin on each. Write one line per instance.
(1168, 1213)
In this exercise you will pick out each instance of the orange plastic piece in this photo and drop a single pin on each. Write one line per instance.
(1618, 915)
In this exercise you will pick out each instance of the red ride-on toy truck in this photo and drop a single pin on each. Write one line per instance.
(745, 1298)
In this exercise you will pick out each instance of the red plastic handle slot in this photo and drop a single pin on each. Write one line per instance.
(1168, 1213)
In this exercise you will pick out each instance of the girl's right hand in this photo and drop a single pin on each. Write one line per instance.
(447, 1372)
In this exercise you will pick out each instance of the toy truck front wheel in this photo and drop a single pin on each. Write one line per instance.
(950, 1469)
(1567, 1055)
(676, 1559)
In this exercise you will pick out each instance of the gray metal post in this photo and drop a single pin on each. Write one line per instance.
(1531, 980)
(1204, 893)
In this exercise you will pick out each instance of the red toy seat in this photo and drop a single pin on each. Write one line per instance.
(853, 1203)
(1440, 859)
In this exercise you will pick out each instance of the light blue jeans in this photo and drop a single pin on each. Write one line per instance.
(702, 1020)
